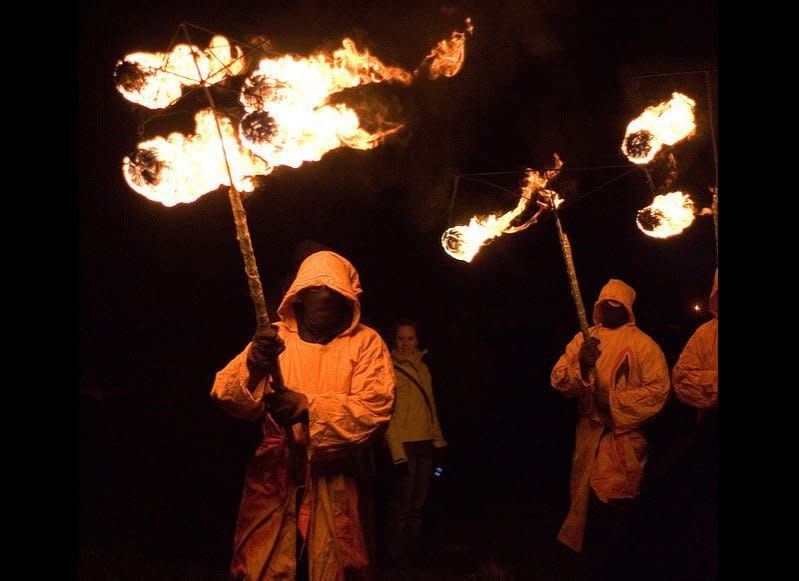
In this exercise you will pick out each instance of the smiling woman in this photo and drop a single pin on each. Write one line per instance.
(413, 436)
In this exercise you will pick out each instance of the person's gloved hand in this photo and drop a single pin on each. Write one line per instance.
(287, 407)
(264, 349)
(601, 399)
(589, 353)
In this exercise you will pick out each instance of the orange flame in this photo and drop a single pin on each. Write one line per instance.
(156, 80)
(180, 169)
(668, 215)
(446, 58)
(464, 242)
(659, 125)
(289, 117)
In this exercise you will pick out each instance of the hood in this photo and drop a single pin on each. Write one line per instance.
(324, 268)
(615, 290)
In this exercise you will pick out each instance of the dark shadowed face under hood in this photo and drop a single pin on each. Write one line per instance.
(322, 314)
(322, 302)
(619, 292)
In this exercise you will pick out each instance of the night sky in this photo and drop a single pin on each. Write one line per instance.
(164, 304)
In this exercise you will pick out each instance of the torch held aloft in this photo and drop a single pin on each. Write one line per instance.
(573, 284)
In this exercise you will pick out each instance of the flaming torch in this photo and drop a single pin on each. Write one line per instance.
(668, 215)
(289, 119)
(659, 125)
(553, 200)
(464, 242)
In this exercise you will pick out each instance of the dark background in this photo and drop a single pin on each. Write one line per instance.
(163, 301)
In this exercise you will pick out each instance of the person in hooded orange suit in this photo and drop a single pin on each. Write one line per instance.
(696, 373)
(610, 449)
(339, 397)
(695, 377)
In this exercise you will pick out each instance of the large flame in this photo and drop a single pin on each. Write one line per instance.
(155, 80)
(180, 169)
(659, 125)
(464, 242)
(289, 116)
(668, 215)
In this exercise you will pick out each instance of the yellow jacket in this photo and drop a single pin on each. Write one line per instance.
(413, 420)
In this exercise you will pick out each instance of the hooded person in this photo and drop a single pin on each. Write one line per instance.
(695, 377)
(339, 396)
(696, 374)
(610, 449)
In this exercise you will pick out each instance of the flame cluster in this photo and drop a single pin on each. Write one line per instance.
(289, 114)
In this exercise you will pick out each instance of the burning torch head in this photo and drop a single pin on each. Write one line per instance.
(257, 127)
(452, 241)
(130, 77)
(638, 146)
(659, 125)
(667, 215)
(144, 168)
(650, 219)
(261, 90)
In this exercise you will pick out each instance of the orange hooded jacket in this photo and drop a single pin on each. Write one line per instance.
(696, 373)
(610, 459)
(349, 383)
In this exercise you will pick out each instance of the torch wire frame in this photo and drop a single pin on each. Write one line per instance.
(183, 27)
(566, 203)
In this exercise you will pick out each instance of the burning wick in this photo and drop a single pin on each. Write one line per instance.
(659, 125)
(257, 127)
(144, 168)
(668, 215)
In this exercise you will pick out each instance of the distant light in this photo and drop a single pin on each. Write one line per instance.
(697, 308)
